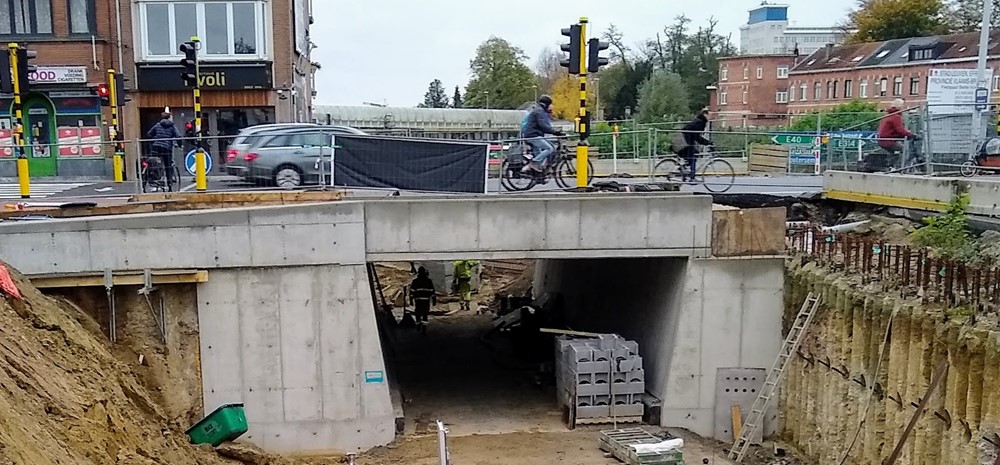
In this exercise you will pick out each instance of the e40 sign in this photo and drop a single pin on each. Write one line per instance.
(794, 139)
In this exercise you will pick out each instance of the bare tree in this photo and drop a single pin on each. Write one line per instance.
(548, 69)
(614, 38)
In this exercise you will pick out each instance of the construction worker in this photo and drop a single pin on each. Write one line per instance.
(462, 281)
(422, 296)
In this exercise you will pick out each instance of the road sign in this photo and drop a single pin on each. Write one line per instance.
(794, 139)
(189, 162)
(953, 91)
(982, 98)
(801, 156)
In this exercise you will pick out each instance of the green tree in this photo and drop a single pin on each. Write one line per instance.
(856, 115)
(435, 96)
(500, 77)
(456, 100)
(663, 98)
(877, 20)
(967, 15)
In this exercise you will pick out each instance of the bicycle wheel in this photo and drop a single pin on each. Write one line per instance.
(717, 175)
(512, 179)
(174, 185)
(566, 173)
(668, 170)
(969, 169)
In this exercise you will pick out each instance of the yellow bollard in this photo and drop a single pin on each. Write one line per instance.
(22, 177)
(200, 177)
(582, 151)
(117, 166)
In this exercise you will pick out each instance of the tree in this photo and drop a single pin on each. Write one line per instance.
(967, 15)
(663, 98)
(877, 20)
(856, 115)
(435, 96)
(500, 78)
(456, 100)
(549, 70)
(566, 98)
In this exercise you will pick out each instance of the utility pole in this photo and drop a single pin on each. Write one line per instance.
(19, 68)
(192, 78)
(116, 136)
(984, 38)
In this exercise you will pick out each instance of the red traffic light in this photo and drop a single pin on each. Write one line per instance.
(189, 126)
(103, 91)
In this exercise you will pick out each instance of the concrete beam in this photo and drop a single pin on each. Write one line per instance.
(913, 192)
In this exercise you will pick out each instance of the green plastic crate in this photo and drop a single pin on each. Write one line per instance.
(226, 423)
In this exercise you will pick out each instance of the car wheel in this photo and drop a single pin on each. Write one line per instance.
(287, 177)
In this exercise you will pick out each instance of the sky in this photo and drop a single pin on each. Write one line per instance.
(388, 51)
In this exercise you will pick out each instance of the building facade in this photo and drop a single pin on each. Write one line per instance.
(752, 90)
(768, 31)
(883, 71)
(63, 116)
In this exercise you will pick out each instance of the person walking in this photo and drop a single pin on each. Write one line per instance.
(462, 281)
(164, 136)
(423, 296)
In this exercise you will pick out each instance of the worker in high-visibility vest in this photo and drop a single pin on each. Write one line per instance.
(462, 281)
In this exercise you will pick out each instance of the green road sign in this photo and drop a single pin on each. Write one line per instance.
(794, 139)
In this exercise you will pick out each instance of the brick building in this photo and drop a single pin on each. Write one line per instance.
(256, 68)
(752, 90)
(883, 71)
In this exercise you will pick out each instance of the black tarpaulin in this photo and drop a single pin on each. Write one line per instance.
(409, 164)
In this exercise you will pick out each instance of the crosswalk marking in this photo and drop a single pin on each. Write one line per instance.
(38, 191)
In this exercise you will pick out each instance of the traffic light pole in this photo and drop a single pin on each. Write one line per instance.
(115, 129)
(583, 148)
(23, 178)
(200, 177)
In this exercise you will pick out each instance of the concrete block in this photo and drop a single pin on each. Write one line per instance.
(638, 387)
(593, 412)
(107, 250)
(630, 410)
(632, 363)
(622, 223)
(496, 232)
(592, 367)
(562, 227)
(387, 227)
(592, 389)
(462, 218)
(232, 246)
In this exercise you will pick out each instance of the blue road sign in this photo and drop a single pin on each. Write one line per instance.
(189, 162)
(982, 98)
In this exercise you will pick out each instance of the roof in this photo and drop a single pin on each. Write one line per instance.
(896, 52)
(376, 117)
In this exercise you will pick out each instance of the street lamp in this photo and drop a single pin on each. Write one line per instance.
(535, 87)
(487, 94)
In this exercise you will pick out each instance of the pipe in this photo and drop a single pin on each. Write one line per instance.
(118, 19)
(843, 228)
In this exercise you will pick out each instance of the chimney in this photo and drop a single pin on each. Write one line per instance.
(829, 50)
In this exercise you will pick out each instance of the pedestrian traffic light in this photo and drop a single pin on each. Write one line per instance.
(25, 68)
(120, 94)
(573, 47)
(190, 63)
(594, 58)
(6, 79)
(104, 92)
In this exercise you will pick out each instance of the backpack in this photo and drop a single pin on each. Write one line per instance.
(524, 121)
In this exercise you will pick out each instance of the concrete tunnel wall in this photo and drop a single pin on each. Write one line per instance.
(690, 318)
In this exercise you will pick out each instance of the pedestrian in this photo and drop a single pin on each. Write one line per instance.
(164, 136)
(462, 281)
(423, 296)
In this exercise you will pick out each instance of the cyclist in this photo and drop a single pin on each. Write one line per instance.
(164, 135)
(685, 143)
(537, 126)
(891, 129)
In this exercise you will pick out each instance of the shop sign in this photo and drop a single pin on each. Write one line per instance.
(58, 75)
(212, 77)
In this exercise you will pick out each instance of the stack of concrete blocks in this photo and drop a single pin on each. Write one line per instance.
(600, 377)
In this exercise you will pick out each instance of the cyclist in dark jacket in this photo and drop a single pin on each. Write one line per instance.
(691, 138)
(539, 124)
(164, 135)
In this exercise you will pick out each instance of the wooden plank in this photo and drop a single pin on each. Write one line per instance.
(942, 370)
(737, 418)
(566, 332)
(130, 279)
(748, 232)
(125, 209)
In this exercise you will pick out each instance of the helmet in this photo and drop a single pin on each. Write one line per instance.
(545, 100)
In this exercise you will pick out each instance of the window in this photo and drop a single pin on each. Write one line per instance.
(803, 90)
(831, 90)
(848, 88)
(783, 72)
(25, 17)
(228, 29)
(897, 86)
(791, 94)
(746, 94)
(883, 85)
(760, 72)
(996, 83)
(746, 73)
(81, 17)
(781, 96)
(724, 74)
(818, 91)
(863, 88)
(915, 85)
(723, 97)
(923, 54)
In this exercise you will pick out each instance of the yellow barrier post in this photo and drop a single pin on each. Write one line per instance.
(23, 177)
(583, 148)
(117, 164)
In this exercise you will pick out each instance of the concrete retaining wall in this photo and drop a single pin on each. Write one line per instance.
(915, 192)
(690, 318)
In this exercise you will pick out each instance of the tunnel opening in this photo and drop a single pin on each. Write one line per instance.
(490, 369)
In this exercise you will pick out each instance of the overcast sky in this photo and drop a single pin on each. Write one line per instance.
(388, 51)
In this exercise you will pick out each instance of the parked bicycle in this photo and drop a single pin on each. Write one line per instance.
(715, 173)
(154, 176)
(561, 166)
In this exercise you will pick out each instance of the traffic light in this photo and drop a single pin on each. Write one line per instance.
(104, 92)
(190, 63)
(594, 58)
(189, 129)
(24, 68)
(573, 47)
(6, 82)
(120, 94)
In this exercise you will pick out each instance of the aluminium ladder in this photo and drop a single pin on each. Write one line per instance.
(756, 417)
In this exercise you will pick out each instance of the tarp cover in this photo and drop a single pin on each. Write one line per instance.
(409, 164)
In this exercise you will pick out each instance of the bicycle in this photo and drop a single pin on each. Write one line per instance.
(716, 174)
(561, 166)
(154, 176)
(986, 160)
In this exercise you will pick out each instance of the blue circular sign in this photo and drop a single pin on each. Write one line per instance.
(189, 162)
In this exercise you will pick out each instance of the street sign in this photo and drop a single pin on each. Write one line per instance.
(794, 139)
(953, 91)
(982, 98)
(189, 162)
(801, 156)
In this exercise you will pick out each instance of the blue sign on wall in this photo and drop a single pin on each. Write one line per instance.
(374, 377)
(189, 162)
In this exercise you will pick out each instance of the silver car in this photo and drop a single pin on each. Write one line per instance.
(240, 145)
(288, 157)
